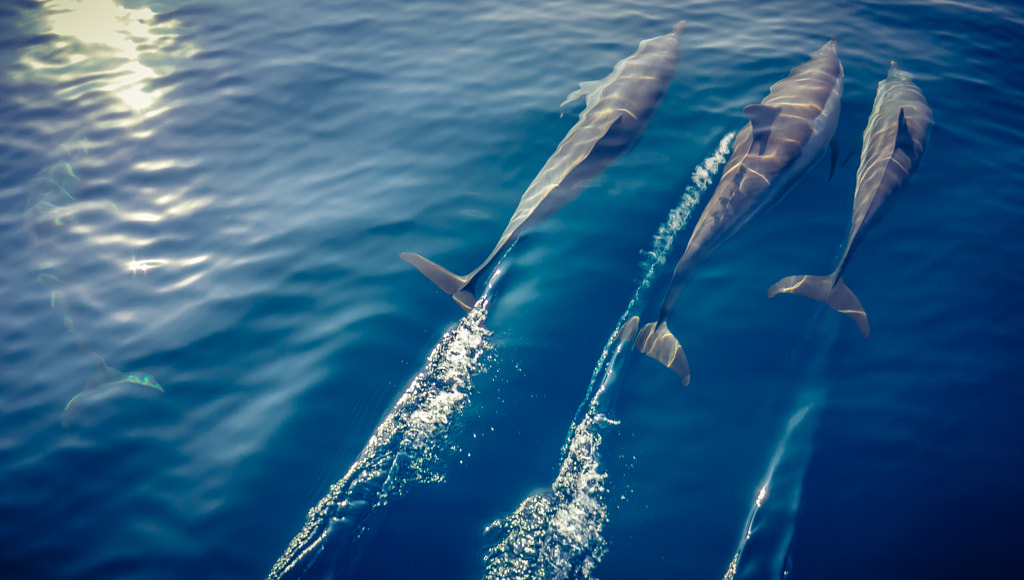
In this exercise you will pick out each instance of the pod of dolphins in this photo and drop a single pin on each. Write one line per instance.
(788, 133)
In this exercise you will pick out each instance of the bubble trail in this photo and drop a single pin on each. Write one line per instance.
(557, 534)
(404, 449)
(764, 546)
(782, 485)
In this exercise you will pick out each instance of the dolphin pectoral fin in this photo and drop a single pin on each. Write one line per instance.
(834, 156)
(761, 119)
(829, 290)
(656, 341)
(586, 87)
(445, 280)
(628, 331)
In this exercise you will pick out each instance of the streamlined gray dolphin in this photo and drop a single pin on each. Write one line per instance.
(619, 107)
(788, 133)
(894, 143)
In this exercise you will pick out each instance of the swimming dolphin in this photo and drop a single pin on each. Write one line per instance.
(107, 378)
(619, 107)
(788, 133)
(894, 142)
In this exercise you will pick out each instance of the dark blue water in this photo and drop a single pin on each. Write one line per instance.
(202, 206)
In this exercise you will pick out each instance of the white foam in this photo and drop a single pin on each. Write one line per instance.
(558, 533)
(405, 447)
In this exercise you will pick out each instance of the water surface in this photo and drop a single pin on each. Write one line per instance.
(211, 197)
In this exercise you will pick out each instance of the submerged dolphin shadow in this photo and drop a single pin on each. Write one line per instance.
(50, 211)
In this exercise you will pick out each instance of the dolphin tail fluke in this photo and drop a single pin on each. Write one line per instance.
(453, 285)
(827, 289)
(465, 299)
(655, 340)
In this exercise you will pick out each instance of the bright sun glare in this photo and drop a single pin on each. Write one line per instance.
(109, 29)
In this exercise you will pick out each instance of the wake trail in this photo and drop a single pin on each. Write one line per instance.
(405, 449)
(783, 481)
(557, 534)
(764, 548)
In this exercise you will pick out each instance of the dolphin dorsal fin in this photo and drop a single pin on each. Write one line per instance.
(904, 142)
(761, 119)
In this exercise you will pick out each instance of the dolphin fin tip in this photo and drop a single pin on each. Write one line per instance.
(465, 299)
(145, 381)
(628, 331)
(813, 287)
(445, 280)
(656, 341)
(71, 402)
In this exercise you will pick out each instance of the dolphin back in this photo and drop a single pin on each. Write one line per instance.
(618, 110)
(894, 142)
(789, 131)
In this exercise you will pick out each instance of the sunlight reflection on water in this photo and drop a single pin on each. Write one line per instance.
(120, 46)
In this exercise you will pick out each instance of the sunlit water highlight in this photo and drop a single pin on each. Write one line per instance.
(558, 534)
(405, 449)
(100, 49)
(112, 41)
(52, 223)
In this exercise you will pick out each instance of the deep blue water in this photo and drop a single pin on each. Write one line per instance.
(214, 195)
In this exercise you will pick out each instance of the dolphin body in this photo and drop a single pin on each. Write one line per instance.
(894, 142)
(619, 108)
(788, 134)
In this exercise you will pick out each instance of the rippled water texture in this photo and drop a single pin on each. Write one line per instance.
(212, 359)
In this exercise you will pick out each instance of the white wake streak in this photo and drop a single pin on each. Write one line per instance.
(404, 449)
(763, 550)
(786, 498)
(558, 534)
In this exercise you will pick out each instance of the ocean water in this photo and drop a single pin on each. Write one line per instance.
(214, 365)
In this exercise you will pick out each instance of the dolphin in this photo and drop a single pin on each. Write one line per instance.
(788, 134)
(894, 142)
(105, 379)
(619, 108)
